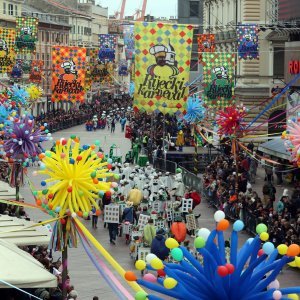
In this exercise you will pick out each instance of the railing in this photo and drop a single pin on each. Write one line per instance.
(192, 180)
(164, 165)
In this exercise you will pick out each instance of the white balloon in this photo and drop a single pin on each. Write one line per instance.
(149, 257)
(219, 215)
(274, 285)
(277, 295)
(204, 233)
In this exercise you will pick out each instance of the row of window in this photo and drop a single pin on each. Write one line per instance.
(10, 9)
(54, 37)
(82, 30)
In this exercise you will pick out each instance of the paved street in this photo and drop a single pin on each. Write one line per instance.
(84, 275)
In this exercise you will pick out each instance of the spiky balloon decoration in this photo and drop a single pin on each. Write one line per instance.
(22, 140)
(247, 274)
(75, 178)
(195, 112)
(230, 120)
(292, 140)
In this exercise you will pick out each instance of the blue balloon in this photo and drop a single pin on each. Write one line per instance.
(238, 225)
(268, 247)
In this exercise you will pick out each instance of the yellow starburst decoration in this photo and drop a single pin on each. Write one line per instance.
(76, 178)
(34, 92)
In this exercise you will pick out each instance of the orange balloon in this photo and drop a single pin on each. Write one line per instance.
(57, 142)
(41, 155)
(42, 127)
(98, 212)
(293, 250)
(130, 276)
(223, 225)
(38, 202)
(93, 147)
(79, 213)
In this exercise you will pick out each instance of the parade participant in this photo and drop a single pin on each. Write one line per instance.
(123, 123)
(95, 122)
(158, 246)
(94, 217)
(149, 232)
(178, 229)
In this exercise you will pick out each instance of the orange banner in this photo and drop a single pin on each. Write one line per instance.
(68, 77)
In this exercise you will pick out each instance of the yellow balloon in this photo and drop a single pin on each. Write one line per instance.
(297, 261)
(282, 249)
(264, 236)
(140, 265)
(170, 283)
(135, 196)
(171, 243)
(157, 264)
(293, 296)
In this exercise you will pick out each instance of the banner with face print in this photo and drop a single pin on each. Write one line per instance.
(7, 51)
(36, 71)
(162, 66)
(218, 81)
(128, 33)
(26, 34)
(206, 44)
(108, 43)
(247, 35)
(68, 77)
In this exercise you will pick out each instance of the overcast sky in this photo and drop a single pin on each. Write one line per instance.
(157, 8)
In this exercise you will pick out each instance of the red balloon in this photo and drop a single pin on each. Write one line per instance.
(230, 268)
(222, 271)
(108, 194)
(260, 252)
(161, 273)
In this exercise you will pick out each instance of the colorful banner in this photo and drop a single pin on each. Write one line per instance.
(68, 75)
(128, 33)
(206, 44)
(7, 51)
(123, 69)
(247, 35)
(36, 71)
(162, 66)
(108, 44)
(93, 60)
(26, 34)
(218, 81)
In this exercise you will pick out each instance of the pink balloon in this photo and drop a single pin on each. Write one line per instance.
(274, 285)
(149, 277)
(277, 295)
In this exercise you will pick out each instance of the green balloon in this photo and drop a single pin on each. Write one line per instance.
(35, 193)
(177, 254)
(93, 174)
(199, 242)
(260, 228)
(45, 192)
(73, 136)
(141, 295)
(97, 143)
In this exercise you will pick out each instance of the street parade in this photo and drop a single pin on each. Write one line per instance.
(151, 152)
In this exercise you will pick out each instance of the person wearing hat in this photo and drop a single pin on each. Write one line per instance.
(158, 246)
(123, 123)
(95, 122)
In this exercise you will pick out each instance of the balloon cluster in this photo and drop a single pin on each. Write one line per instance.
(249, 273)
(195, 112)
(230, 120)
(75, 178)
(34, 92)
(18, 95)
(22, 140)
(292, 140)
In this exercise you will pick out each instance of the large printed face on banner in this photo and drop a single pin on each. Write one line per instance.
(7, 52)
(248, 41)
(218, 78)
(68, 73)
(26, 34)
(162, 65)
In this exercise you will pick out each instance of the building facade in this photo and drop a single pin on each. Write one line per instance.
(191, 12)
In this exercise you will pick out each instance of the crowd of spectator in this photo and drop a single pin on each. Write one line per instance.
(227, 187)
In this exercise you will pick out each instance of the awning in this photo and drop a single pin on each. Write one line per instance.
(275, 148)
(39, 235)
(19, 268)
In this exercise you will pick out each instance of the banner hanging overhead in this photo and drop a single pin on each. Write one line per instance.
(128, 32)
(36, 71)
(218, 81)
(108, 43)
(162, 66)
(7, 52)
(247, 35)
(26, 34)
(206, 44)
(68, 75)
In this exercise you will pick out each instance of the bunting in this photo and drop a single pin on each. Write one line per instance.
(206, 44)
(68, 77)
(7, 52)
(26, 34)
(162, 66)
(218, 82)
(247, 35)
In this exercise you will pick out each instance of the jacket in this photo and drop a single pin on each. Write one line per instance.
(149, 234)
(159, 248)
